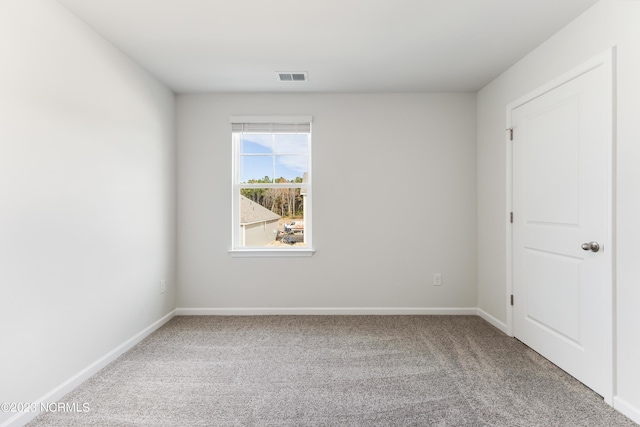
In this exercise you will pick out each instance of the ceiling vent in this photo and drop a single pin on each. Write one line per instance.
(292, 76)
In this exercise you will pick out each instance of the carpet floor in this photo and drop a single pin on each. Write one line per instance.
(332, 371)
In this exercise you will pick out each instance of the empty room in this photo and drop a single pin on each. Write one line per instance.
(251, 213)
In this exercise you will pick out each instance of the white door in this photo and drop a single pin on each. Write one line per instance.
(562, 283)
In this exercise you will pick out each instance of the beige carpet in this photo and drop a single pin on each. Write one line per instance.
(333, 371)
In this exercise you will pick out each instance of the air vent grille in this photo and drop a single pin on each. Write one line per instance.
(292, 76)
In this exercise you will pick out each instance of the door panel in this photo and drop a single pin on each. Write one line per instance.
(561, 191)
(553, 292)
(553, 197)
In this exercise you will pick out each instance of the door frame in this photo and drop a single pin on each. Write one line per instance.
(606, 60)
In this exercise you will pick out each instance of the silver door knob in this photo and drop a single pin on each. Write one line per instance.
(591, 246)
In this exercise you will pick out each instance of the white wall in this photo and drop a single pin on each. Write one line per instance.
(87, 199)
(609, 23)
(399, 170)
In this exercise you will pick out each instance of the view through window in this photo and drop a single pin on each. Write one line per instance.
(271, 184)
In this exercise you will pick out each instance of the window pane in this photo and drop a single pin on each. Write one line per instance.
(291, 143)
(271, 217)
(256, 169)
(251, 143)
(291, 168)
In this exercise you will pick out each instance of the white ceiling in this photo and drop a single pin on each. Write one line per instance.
(344, 45)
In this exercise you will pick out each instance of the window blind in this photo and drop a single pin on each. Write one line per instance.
(271, 127)
(271, 124)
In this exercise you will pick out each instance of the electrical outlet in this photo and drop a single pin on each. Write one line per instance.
(437, 279)
(163, 285)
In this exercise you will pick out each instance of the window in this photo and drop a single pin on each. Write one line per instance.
(271, 199)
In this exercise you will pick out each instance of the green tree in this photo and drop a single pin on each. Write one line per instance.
(283, 201)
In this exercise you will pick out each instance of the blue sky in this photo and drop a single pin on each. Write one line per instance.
(262, 153)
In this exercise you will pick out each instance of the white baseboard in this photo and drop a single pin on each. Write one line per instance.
(55, 395)
(627, 410)
(264, 311)
(495, 322)
(348, 311)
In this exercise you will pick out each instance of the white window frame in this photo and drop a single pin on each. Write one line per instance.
(240, 251)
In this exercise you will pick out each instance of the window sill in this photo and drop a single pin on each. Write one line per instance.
(271, 253)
